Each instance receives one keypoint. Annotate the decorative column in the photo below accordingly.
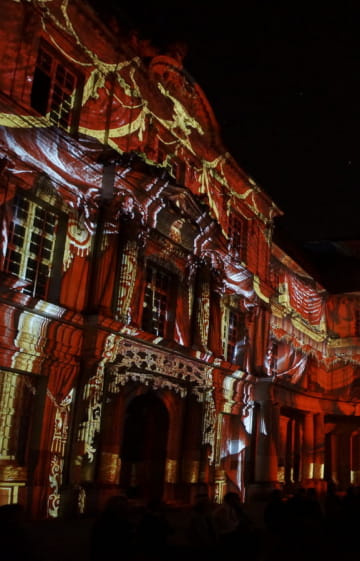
(219, 471)
(127, 278)
(266, 455)
(13, 389)
(344, 451)
(308, 448)
(259, 338)
(297, 450)
(83, 458)
(266, 447)
(192, 443)
(108, 458)
(214, 335)
(201, 313)
(333, 437)
(182, 334)
(173, 452)
(355, 459)
(319, 446)
(289, 457)
(283, 427)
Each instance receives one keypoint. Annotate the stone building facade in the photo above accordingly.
(154, 340)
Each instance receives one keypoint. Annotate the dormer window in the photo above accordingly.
(237, 234)
(55, 89)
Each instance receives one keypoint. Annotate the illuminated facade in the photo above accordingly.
(152, 336)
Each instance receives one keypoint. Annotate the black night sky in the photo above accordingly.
(284, 83)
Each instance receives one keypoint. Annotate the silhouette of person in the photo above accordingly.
(274, 512)
(153, 531)
(233, 527)
(112, 531)
(201, 529)
(15, 543)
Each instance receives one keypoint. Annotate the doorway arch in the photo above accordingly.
(144, 447)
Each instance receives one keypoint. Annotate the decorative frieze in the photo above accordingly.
(11, 472)
(148, 365)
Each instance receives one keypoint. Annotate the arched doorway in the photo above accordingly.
(144, 447)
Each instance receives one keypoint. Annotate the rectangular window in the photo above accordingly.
(237, 234)
(31, 244)
(17, 395)
(158, 299)
(54, 89)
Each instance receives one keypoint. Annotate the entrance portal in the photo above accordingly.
(144, 447)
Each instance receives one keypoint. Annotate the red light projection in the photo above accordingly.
(138, 274)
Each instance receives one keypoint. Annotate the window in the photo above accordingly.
(235, 336)
(54, 89)
(158, 301)
(35, 232)
(17, 395)
(237, 236)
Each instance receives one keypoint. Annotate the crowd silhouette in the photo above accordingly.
(300, 526)
(305, 527)
(15, 540)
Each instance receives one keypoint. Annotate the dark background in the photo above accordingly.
(284, 83)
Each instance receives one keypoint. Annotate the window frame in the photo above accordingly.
(41, 74)
(36, 201)
(237, 237)
(170, 309)
(240, 331)
(19, 392)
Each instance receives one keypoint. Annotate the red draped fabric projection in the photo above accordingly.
(305, 299)
(73, 284)
(290, 363)
(335, 380)
(341, 314)
(55, 422)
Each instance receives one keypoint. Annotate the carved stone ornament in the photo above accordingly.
(158, 368)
